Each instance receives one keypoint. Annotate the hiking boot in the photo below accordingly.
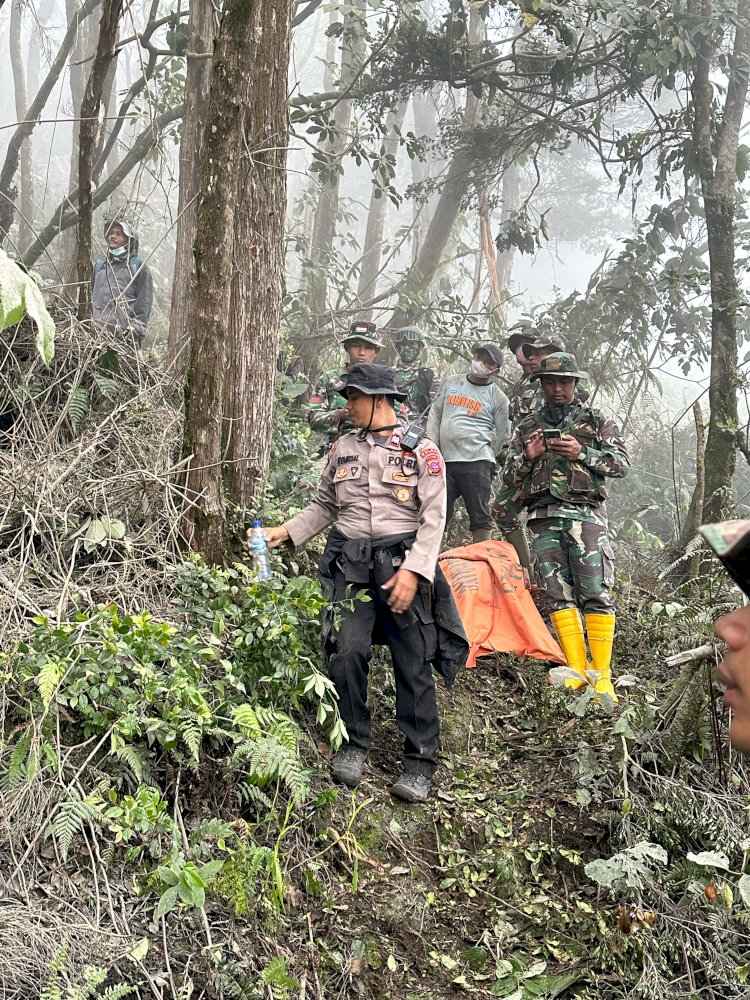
(348, 764)
(412, 787)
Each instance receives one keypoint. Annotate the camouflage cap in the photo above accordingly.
(550, 342)
(560, 363)
(730, 540)
(362, 330)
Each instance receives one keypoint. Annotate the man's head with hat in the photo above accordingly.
(516, 342)
(408, 343)
(559, 375)
(361, 342)
(486, 363)
(370, 391)
(730, 540)
(534, 352)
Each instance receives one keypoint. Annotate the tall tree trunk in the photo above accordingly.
(34, 60)
(90, 107)
(504, 260)
(448, 205)
(258, 286)
(372, 250)
(18, 66)
(324, 228)
(247, 26)
(718, 185)
(425, 126)
(66, 249)
(200, 43)
(25, 128)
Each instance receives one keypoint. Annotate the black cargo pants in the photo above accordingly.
(412, 640)
(473, 482)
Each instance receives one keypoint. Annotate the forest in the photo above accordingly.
(262, 175)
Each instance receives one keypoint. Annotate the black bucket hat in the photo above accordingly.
(730, 540)
(516, 339)
(494, 351)
(372, 380)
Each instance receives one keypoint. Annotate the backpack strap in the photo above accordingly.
(135, 264)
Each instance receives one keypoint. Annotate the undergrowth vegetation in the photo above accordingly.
(169, 828)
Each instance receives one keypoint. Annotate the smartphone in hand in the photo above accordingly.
(551, 434)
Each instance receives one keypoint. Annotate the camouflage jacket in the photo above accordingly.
(524, 399)
(551, 479)
(419, 384)
(325, 402)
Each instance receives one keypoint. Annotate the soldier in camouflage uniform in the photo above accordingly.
(326, 407)
(528, 395)
(558, 464)
(525, 398)
(417, 381)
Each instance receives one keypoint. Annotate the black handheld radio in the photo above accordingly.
(414, 431)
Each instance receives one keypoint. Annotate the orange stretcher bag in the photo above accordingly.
(498, 612)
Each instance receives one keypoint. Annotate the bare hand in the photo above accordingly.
(567, 446)
(534, 446)
(403, 587)
(274, 536)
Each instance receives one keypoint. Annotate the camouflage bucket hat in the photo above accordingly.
(560, 363)
(551, 342)
(362, 330)
(730, 540)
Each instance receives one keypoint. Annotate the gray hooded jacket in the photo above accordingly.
(123, 294)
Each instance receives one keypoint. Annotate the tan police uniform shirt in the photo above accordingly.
(371, 488)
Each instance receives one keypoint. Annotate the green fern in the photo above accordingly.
(72, 815)
(48, 680)
(78, 405)
(108, 387)
(20, 759)
(267, 759)
(136, 758)
(277, 977)
(191, 731)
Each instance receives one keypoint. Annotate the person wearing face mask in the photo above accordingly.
(416, 380)
(559, 461)
(122, 286)
(730, 540)
(469, 423)
(325, 412)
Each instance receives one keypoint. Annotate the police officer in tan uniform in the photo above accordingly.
(388, 506)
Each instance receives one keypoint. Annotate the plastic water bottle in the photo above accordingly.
(260, 553)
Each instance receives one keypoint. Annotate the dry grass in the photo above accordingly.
(80, 441)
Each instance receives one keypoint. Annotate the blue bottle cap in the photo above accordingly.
(257, 524)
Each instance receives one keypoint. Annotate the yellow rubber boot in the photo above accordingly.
(601, 634)
(569, 630)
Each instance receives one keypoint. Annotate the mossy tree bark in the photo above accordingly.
(716, 142)
(239, 86)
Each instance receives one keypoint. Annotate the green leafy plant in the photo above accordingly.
(19, 295)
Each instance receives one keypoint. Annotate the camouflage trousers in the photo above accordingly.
(574, 564)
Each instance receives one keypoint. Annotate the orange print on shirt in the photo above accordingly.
(472, 405)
